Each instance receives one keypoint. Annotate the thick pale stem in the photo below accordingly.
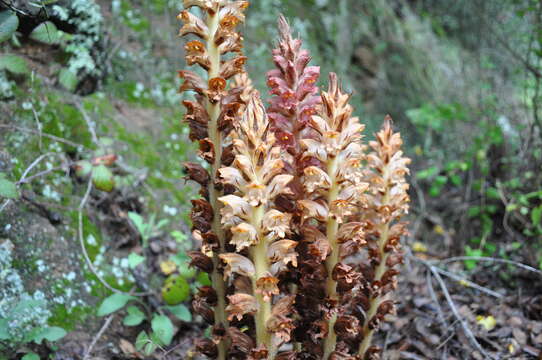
(332, 228)
(375, 301)
(216, 138)
(258, 254)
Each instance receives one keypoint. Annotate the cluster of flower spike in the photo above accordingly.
(299, 226)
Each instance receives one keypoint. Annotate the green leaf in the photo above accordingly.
(182, 261)
(141, 340)
(134, 317)
(113, 303)
(163, 328)
(31, 356)
(52, 333)
(181, 312)
(139, 223)
(179, 236)
(9, 22)
(471, 264)
(145, 344)
(68, 79)
(493, 193)
(14, 64)
(175, 290)
(83, 168)
(427, 173)
(134, 260)
(473, 211)
(203, 279)
(8, 189)
(102, 178)
(536, 215)
(46, 33)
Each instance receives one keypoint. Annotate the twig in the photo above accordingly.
(435, 300)
(98, 336)
(23, 179)
(40, 126)
(84, 249)
(468, 282)
(52, 137)
(33, 164)
(490, 259)
(89, 121)
(40, 174)
(13, 8)
(464, 325)
(467, 331)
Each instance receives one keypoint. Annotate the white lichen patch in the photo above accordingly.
(22, 311)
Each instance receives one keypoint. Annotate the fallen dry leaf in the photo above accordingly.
(488, 322)
(168, 267)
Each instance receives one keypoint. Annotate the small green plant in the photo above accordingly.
(147, 229)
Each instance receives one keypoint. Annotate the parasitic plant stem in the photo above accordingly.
(258, 254)
(332, 228)
(213, 109)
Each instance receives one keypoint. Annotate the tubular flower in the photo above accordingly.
(257, 227)
(388, 199)
(209, 118)
(332, 197)
(294, 92)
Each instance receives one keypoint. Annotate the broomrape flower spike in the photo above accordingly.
(217, 50)
(388, 202)
(257, 228)
(334, 192)
(291, 202)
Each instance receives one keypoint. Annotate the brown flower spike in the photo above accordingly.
(208, 118)
(334, 189)
(388, 201)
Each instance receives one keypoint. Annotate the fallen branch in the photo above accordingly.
(84, 249)
(490, 259)
(466, 329)
(98, 336)
(468, 283)
(49, 136)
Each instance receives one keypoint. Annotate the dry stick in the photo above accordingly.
(49, 136)
(84, 249)
(435, 300)
(88, 120)
(490, 259)
(23, 179)
(464, 325)
(469, 283)
(98, 336)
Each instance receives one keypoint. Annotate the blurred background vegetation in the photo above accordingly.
(83, 79)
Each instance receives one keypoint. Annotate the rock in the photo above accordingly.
(47, 259)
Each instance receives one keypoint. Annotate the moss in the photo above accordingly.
(68, 319)
(91, 234)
